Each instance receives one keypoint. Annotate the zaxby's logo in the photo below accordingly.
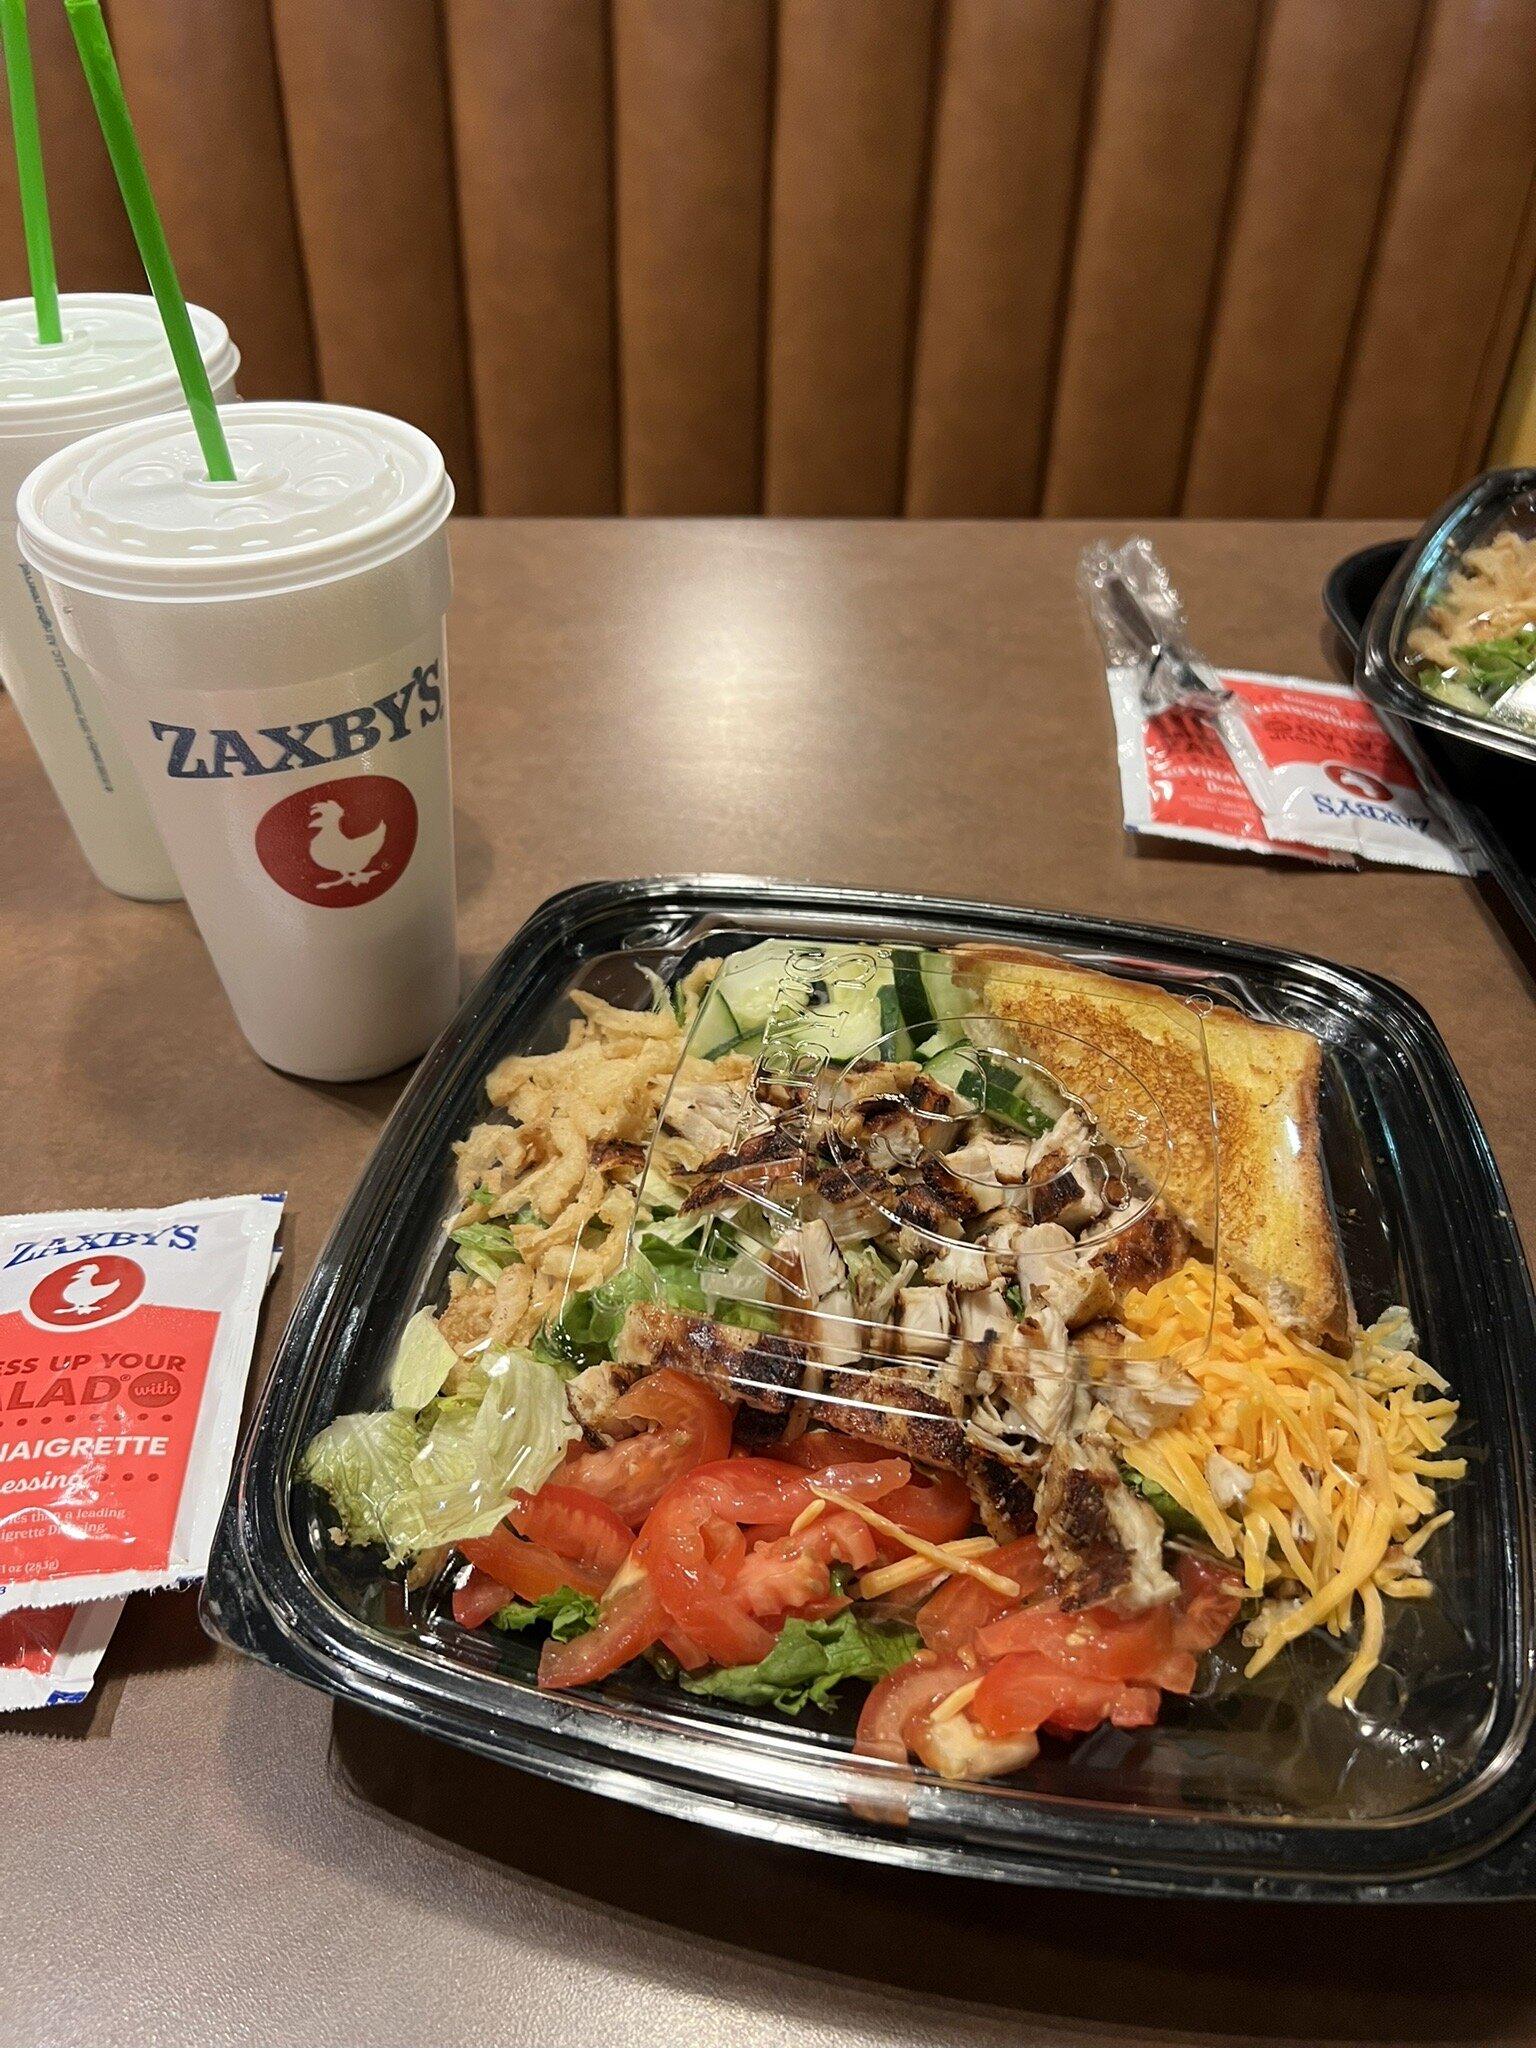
(193, 755)
(1357, 782)
(98, 1289)
(339, 843)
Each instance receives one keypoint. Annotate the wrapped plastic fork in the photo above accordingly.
(1141, 626)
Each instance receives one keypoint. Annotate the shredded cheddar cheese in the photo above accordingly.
(956, 1702)
(907, 1571)
(808, 1515)
(946, 1556)
(1309, 1471)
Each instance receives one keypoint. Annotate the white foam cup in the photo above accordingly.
(272, 651)
(113, 364)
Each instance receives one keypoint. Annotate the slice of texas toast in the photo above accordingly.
(1137, 1058)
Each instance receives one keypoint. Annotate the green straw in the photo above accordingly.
(101, 75)
(29, 169)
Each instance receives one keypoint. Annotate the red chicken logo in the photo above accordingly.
(1357, 782)
(329, 847)
(339, 843)
(93, 1290)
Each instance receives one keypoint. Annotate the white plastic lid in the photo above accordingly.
(114, 357)
(323, 492)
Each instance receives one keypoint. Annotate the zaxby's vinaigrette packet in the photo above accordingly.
(1330, 775)
(48, 1655)
(125, 1340)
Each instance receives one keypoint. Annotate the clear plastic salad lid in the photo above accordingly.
(881, 1153)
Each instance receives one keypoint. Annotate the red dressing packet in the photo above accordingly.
(1177, 780)
(1331, 775)
(49, 1655)
(125, 1341)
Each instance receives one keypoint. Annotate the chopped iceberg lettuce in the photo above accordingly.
(410, 1482)
(565, 1613)
(809, 1661)
(423, 1360)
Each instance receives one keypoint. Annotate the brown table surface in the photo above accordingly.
(206, 1852)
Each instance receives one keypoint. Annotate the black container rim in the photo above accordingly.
(1377, 673)
(257, 1599)
(1348, 621)
(1436, 756)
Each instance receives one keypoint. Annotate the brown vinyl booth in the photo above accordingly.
(858, 257)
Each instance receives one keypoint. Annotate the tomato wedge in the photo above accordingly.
(528, 1569)
(934, 1505)
(479, 1598)
(794, 1571)
(1023, 1692)
(1097, 1644)
(691, 1426)
(574, 1525)
(900, 1698)
(692, 1562)
(949, 1619)
(630, 1619)
(1210, 1596)
(816, 1448)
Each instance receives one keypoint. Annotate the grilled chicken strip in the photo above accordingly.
(991, 1167)
(922, 1322)
(1146, 1251)
(1068, 1195)
(1103, 1542)
(984, 1316)
(964, 1267)
(705, 1113)
(853, 1199)
(818, 1311)
(1069, 1139)
(768, 1161)
(591, 1396)
(1051, 1270)
(894, 1124)
(918, 1209)
(953, 1195)
(1002, 1482)
(911, 1410)
(618, 1160)
(1144, 1393)
(761, 1371)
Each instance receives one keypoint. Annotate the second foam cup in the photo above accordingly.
(272, 651)
(112, 365)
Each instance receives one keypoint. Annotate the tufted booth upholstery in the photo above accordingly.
(864, 257)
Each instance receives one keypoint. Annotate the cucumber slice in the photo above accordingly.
(896, 1035)
(755, 986)
(946, 998)
(1005, 1099)
(841, 1033)
(984, 1080)
(857, 1008)
(718, 1027)
(951, 1061)
(926, 990)
(911, 992)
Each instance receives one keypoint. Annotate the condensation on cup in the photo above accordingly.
(273, 653)
(113, 364)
